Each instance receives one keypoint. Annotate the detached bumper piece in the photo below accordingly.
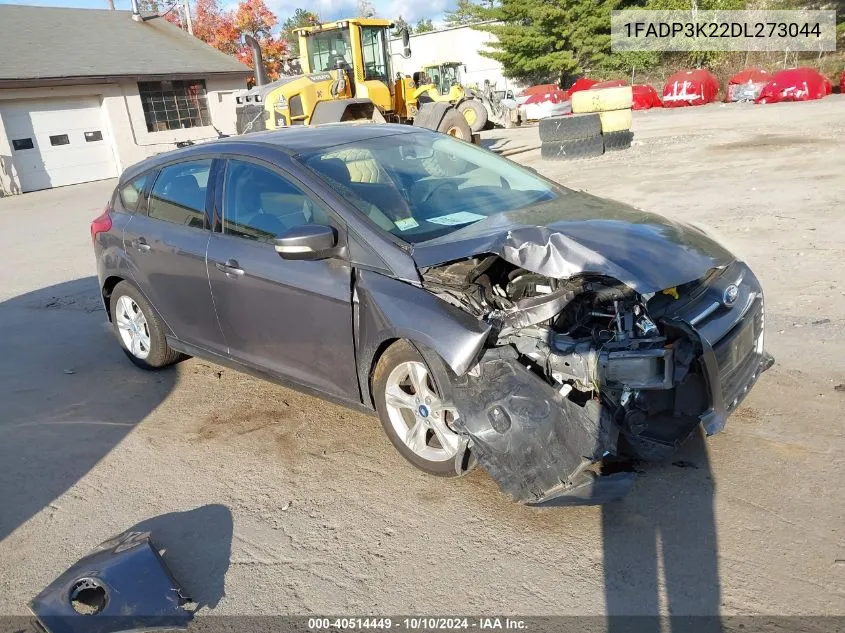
(536, 444)
(123, 585)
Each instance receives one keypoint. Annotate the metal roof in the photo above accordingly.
(291, 141)
(57, 43)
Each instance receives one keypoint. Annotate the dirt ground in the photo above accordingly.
(268, 501)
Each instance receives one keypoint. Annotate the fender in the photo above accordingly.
(385, 309)
(338, 110)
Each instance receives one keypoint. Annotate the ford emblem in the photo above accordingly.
(730, 295)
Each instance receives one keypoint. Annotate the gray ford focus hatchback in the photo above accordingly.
(487, 315)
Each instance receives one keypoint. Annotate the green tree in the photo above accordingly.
(399, 24)
(548, 38)
(300, 18)
(366, 9)
(465, 12)
(423, 26)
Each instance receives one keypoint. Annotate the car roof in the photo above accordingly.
(291, 140)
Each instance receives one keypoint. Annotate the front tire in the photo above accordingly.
(474, 113)
(139, 330)
(415, 415)
(454, 124)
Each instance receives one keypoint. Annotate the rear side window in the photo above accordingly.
(178, 195)
(131, 192)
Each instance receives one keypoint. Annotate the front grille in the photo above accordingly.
(737, 357)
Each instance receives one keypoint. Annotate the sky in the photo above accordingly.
(410, 10)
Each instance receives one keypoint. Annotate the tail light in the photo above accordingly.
(101, 224)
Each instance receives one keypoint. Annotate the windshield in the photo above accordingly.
(450, 76)
(329, 50)
(422, 186)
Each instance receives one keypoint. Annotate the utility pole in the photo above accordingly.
(188, 17)
(111, 4)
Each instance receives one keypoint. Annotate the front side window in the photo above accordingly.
(178, 195)
(174, 105)
(328, 50)
(429, 185)
(131, 192)
(259, 204)
(373, 48)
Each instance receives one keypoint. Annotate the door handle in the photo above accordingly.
(141, 245)
(231, 268)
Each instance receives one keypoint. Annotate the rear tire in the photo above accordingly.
(454, 124)
(603, 99)
(569, 127)
(139, 329)
(615, 141)
(399, 416)
(616, 120)
(474, 113)
(572, 150)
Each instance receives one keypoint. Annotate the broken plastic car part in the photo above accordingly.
(122, 585)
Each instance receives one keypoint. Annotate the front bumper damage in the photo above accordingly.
(536, 444)
(122, 585)
(545, 447)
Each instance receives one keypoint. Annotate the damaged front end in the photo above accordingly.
(578, 369)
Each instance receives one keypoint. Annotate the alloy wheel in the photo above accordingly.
(133, 327)
(418, 414)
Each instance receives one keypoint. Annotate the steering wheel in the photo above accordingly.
(431, 187)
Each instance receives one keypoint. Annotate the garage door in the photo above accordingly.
(58, 142)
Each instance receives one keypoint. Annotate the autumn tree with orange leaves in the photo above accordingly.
(224, 30)
(252, 17)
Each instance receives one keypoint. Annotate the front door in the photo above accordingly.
(291, 318)
(166, 243)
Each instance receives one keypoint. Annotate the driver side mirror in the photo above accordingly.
(308, 241)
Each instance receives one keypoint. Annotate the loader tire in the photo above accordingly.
(475, 114)
(569, 127)
(615, 120)
(602, 100)
(572, 150)
(454, 124)
(615, 141)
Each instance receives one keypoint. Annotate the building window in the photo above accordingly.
(59, 139)
(173, 105)
(96, 135)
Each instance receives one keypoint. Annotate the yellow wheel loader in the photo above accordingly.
(443, 82)
(347, 76)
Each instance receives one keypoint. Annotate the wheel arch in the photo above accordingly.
(108, 287)
(387, 310)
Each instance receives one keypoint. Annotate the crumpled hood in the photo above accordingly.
(579, 233)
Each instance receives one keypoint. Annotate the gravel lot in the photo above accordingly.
(269, 501)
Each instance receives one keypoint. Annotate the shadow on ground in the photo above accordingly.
(660, 548)
(68, 395)
(197, 546)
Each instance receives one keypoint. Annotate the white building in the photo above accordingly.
(461, 43)
(85, 93)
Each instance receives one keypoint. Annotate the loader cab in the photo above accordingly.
(444, 75)
(359, 47)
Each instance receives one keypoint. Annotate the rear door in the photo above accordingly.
(166, 243)
(291, 318)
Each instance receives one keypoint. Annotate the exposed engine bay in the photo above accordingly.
(622, 363)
